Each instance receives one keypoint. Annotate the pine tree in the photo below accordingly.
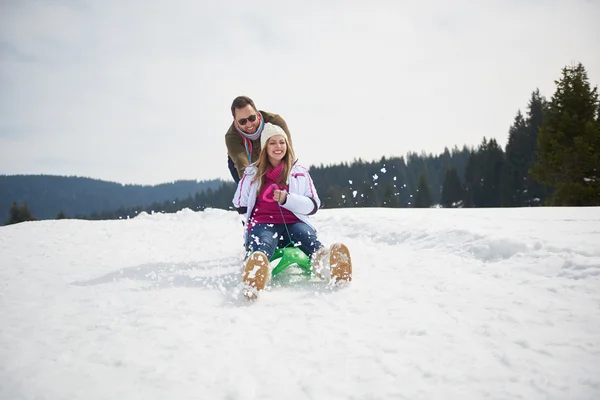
(516, 163)
(61, 215)
(492, 174)
(569, 142)
(483, 176)
(473, 177)
(518, 186)
(390, 197)
(332, 197)
(423, 197)
(25, 214)
(14, 214)
(368, 196)
(470, 176)
(536, 192)
(452, 191)
(19, 214)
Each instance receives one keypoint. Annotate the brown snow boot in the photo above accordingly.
(340, 263)
(320, 263)
(256, 274)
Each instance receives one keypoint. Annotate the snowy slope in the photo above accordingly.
(445, 304)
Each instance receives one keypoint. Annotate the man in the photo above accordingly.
(243, 137)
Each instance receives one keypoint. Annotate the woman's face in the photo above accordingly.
(276, 149)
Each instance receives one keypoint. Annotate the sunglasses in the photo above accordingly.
(243, 121)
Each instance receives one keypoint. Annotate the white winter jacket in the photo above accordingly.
(302, 198)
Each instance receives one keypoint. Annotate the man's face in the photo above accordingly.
(243, 118)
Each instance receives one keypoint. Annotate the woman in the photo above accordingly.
(279, 196)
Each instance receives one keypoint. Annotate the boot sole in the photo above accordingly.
(256, 275)
(340, 263)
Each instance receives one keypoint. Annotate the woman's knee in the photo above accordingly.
(302, 229)
(304, 235)
(262, 239)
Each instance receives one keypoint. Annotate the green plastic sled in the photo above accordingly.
(290, 256)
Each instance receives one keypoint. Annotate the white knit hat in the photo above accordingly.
(270, 130)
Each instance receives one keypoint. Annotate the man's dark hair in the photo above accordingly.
(241, 102)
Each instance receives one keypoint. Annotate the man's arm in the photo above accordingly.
(236, 150)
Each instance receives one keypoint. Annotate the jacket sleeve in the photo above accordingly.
(236, 150)
(306, 201)
(240, 198)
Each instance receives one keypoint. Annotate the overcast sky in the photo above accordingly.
(140, 91)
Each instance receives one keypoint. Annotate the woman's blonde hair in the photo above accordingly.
(263, 164)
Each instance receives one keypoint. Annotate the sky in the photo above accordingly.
(443, 304)
(140, 92)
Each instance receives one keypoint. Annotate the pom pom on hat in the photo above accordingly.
(269, 131)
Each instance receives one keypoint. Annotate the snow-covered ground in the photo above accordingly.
(445, 304)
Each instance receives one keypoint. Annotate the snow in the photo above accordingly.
(444, 303)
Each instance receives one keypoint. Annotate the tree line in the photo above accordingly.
(46, 196)
(552, 158)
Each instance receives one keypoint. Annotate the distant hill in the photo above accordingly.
(48, 195)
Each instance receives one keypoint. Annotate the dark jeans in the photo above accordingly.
(232, 170)
(268, 237)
